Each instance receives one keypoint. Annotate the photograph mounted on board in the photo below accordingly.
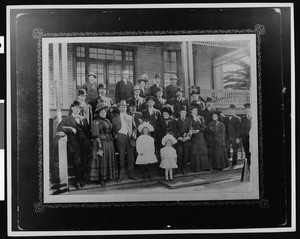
(157, 118)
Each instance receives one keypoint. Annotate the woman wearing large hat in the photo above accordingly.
(217, 149)
(103, 166)
(199, 151)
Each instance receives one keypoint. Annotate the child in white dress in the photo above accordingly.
(168, 155)
(145, 149)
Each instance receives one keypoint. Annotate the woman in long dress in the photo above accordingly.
(199, 151)
(103, 166)
(217, 150)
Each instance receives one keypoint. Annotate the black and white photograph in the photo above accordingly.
(162, 118)
(128, 119)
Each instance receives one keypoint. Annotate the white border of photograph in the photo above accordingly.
(136, 232)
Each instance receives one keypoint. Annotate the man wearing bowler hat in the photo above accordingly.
(136, 99)
(91, 87)
(183, 135)
(124, 130)
(123, 87)
(233, 133)
(153, 88)
(179, 101)
(77, 129)
(171, 89)
(206, 112)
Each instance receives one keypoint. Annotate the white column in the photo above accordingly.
(64, 57)
(185, 68)
(190, 63)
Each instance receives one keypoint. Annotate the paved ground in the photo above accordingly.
(227, 181)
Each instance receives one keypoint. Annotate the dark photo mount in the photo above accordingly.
(29, 212)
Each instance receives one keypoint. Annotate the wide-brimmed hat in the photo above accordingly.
(179, 89)
(195, 90)
(101, 86)
(101, 106)
(150, 97)
(92, 74)
(143, 77)
(157, 76)
(145, 125)
(122, 103)
(168, 137)
(216, 112)
(133, 103)
(76, 103)
(81, 92)
(159, 89)
(232, 106)
(174, 78)
(247, 105)
(136, 87)
(167, 108)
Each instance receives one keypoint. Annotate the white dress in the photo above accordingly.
(168, 156)
(145, 145)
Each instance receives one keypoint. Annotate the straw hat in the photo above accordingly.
(168, 137)
(145, 125)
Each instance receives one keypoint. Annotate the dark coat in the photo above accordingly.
(163, 128)
(183, 127)
(82, 136)
(206, 115)
(171, 92)
(116, 122)
(152, 119)
(232, 127)
(144, 93)
(177, 105)
(138, 117)
(217, 132)
(153, 89)
(245, 125)
(140, 102)
(158, 104)
(123, 92)
(196, 104)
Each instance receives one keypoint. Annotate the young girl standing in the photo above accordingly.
(168, 155)
(145, 149)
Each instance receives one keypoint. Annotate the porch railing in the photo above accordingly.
(226, 97)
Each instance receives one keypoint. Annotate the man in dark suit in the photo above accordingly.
(123, 87)
(245, 129)
(178, 102)
(136, 99)
(233, 133)
(206, 112)
(124, 131)
(101, 89)
(77, 129)
(171, 89)
(195, 101)
(183, 136)
(137, 116)
(156, 85)
(151, 114)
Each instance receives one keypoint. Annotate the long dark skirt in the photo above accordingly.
(103, 168)
(199, 153)
(218, 156)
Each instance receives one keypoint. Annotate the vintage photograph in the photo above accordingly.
(156, 118)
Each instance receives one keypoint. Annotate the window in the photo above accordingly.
(105, 54)
(128, 55)
(114, 73)
(130, 68)
(170, 66)
(80, 72)
(80, 51)
(98, 69)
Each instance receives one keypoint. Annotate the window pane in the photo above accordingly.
(100, 78)
(78, 79)
(167, 67)
(166, 56)
(118, 78)
(173, 67)
(118, 58)
(93, 55)
(111, 79)
(82, 79)
(109, 52)
(109, 57)
(101, 51)
(173, 56)
(93, 50)
(118, 69)
(82, 49)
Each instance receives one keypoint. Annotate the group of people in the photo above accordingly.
(148, 128)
